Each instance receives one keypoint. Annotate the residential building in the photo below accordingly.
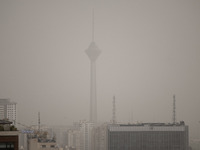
(8, 110)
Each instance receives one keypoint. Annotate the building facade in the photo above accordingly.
(149, 136)
(8, 110)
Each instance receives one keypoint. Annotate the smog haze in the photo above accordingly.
(150, 50)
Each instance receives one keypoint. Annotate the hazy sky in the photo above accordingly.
(150, 51)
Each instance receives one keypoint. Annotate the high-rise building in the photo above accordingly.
(148, 136)
(8, 110)
(86, 135)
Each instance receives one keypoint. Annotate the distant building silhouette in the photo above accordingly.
(99, 137)
(80, 137)
(74, 139)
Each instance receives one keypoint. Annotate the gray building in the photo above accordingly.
(148, 136)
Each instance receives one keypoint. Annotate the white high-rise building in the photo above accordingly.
(8, 110)
(74, 137)
(86, 135)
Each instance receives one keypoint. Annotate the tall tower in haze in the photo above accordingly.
(93, 52)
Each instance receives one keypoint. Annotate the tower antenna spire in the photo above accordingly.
(93, 24)
(39, 121)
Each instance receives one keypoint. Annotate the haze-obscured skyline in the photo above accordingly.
(150, 51)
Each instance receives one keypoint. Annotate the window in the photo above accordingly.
(43, 146)
(8, 146)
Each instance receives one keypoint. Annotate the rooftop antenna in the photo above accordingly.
(174, 109)
(114, 113)
(39, 121)
(132, 116)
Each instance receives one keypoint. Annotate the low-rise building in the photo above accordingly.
(9, 136)
(39, 140)
(34, 144)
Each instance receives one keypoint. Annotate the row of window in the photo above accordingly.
(8, 146)
(44, 146)
(147, 140)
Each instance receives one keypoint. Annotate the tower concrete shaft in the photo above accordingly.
(93, 52)
(93, 98)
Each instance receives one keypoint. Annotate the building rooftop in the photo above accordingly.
(6, 125)
(9, 133)
(6, 101)
(181, 123)
(3, 122)
(148, 127)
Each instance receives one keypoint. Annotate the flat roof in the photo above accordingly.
(9, 133)
(181, 123)
(148, 127)
(6, 101)
(5, 122)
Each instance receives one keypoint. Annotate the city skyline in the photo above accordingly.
(150, 52)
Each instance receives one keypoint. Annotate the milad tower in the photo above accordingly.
(93, 52)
